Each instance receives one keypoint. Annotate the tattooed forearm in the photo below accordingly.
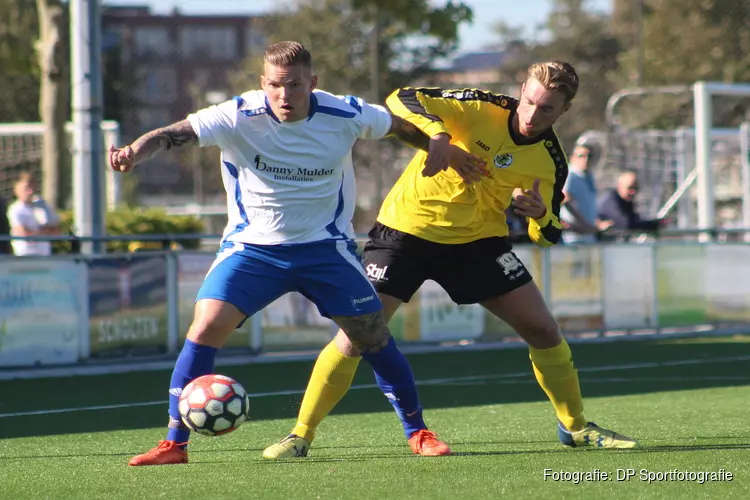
(172, 136)
(409, 133)
(367, 332)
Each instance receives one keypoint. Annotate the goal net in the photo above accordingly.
(21, 147)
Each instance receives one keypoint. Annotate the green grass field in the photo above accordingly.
(686, 401)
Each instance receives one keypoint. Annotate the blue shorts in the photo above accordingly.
(329, 273)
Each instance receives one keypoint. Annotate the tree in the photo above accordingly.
(19, 76)
(574, 33)
(53, 101)
(681, 43)
(366, 48)
(411, 35)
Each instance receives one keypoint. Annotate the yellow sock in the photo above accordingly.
(331, 378)
(558, 378)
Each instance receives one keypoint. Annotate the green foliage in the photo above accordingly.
(671, 43)
(19, 77)
(684, 42)
(412, 34)
(581, 36)
(131, 221)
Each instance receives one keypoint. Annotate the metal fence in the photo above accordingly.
(72, 309)
(159, 66)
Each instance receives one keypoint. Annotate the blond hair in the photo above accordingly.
(288, 54)
(557, 76)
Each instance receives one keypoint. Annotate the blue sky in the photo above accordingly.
(526, 13)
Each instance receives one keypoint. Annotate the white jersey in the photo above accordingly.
(31, 216)
(289, 182)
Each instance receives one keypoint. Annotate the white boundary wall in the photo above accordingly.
(70, 311)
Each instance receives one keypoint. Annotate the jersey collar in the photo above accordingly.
(310, 113)
(313, 106)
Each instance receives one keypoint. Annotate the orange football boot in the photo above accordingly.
(166, 452)
(426, 443)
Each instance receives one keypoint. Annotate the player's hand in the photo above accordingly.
(530, 203)
(470, 167)
(603, 225)
(121, 159)
(438, 155)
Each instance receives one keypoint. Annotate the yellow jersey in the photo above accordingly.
(443, 208)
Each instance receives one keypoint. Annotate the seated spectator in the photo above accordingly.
(29, 215)
(617, 205)
(579, 213)
(518, 226)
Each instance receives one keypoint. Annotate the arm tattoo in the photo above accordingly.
(367, 332)
(409, 133)
(172, 136)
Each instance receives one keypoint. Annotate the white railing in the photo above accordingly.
(66, 310)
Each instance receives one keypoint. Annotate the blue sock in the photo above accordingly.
(394, 377)
(194, 360)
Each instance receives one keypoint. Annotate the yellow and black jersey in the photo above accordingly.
(443, 208)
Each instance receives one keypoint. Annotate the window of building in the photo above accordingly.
(152, 40)
(213, 42)
(156, 84)
(152, 117)
(255, 42)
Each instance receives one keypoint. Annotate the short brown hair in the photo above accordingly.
(24, 177)
(557, 76)
(288, 54)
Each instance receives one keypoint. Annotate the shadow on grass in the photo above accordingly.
(254, 454)
(607, 369)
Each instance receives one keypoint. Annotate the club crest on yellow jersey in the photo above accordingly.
(503, 160)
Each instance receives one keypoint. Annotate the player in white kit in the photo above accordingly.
(286, 163)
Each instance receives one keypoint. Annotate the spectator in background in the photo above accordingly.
(29, 215)
(579, 211)
(617, 205)
(518, 226)
(5, 247)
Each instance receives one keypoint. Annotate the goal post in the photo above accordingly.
(745, 173)
(21, 146)
(703, 109)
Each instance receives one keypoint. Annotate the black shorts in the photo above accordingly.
(397, 264)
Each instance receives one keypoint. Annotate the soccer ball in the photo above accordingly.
(213, 405)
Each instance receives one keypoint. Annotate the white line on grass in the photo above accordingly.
(449, 380)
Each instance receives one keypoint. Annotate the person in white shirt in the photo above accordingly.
(286, 162)
(29, 215)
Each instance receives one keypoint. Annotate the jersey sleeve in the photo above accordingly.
(374, 120)
(546, 231)
(432, 110)
(216, 124)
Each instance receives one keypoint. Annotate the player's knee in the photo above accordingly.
(368, 333)
(207, 332)
(542, 334)
(376, 340)
(372, 343)
(345, 346)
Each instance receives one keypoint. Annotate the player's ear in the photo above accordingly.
(313, 82)
(567, 106)
(262, 81)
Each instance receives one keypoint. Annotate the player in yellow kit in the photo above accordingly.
(448, 225)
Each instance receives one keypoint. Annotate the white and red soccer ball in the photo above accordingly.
(213, 405)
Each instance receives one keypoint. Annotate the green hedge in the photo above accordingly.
(134, 221)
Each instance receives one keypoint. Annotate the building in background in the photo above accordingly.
(473, 69)
(493, 70)
(162, 67)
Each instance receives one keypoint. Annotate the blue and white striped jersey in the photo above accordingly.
(289, 182)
